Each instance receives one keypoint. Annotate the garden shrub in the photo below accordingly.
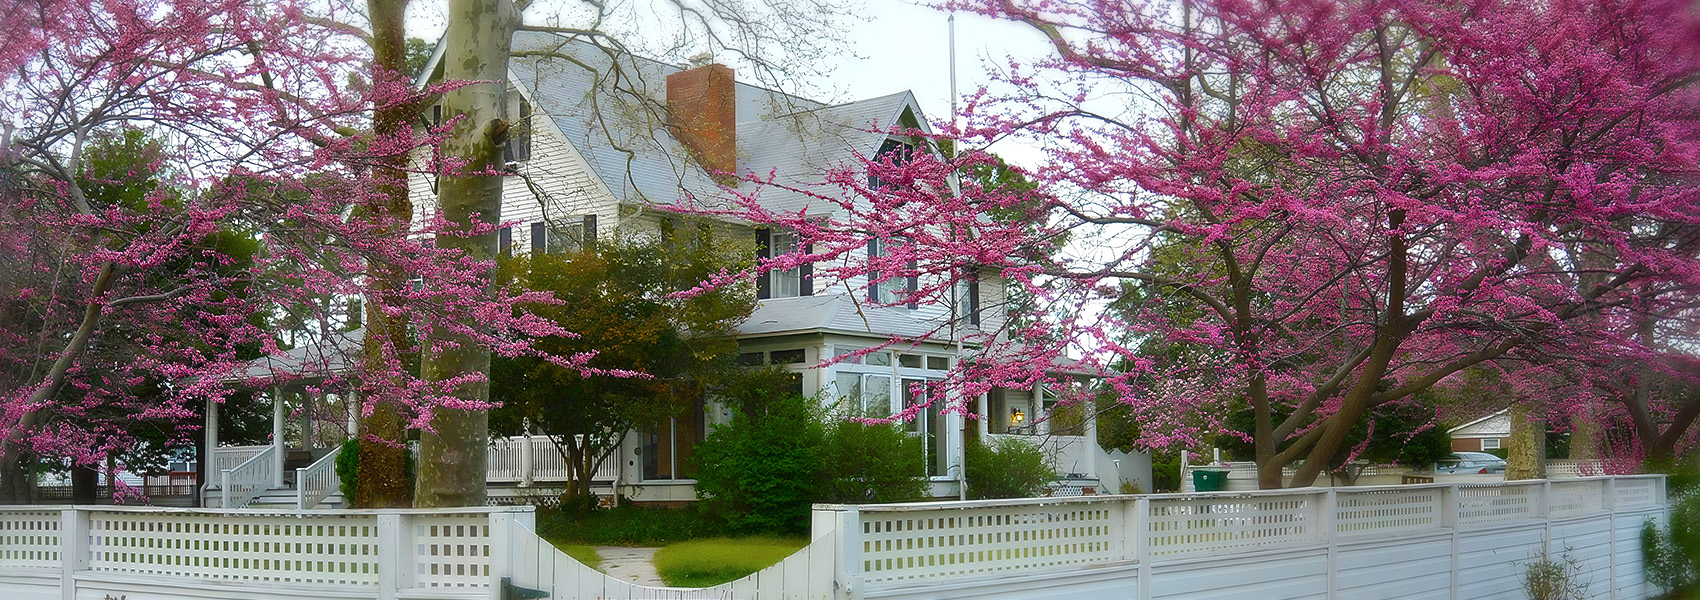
(1007, 468)
(862, 464)
(760, 473)
(348, 469)
(626, 525)
(1672, 555)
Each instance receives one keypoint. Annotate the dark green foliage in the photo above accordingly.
(1672, 556)
(760, 473)
(626, 525)
(1007, 468)
(1165, 471)
(863, 464)
(348, 468)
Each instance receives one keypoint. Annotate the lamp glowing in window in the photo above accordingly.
(1015, 415)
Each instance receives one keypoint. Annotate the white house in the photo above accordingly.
(598, 149)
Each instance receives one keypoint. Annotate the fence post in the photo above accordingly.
(849, 575)
(1545, 508)
(395, 557)
(1449, 519)
(500, 552)
(1609, 502)
(1329, 505)
(1139, 530)
(73, 549)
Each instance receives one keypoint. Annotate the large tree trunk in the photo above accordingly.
(1526, 452)
(382, 480)
(85, 484)
(480, 33)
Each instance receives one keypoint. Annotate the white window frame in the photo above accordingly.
(787, 283)
(1495, 442)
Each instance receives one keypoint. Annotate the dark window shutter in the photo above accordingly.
(539, 243)
(504, 240)
(914, 282)
(873, 288)
(974, 295)
(589, 231)
(764, 284)
(522, 140)
(806, 274)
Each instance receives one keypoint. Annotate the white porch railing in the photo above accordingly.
(230, 457)
(240, 485)
(531, 459)
(316, 482)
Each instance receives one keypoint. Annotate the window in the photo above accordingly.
(1490, 443)
(909, 361)
(556, 237)
(787, 283)
(519, 136)
(749, 359)
(893, 151)
(878, 359)
(669, 445)
(865, 394)
(786, 357)
(893, 290)
(938, 363)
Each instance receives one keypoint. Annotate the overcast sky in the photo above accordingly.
(898, 46)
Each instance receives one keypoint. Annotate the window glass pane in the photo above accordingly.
(850, 389)
(909, 361)
(938, 363)
(841, 351)
(881, 359)
(749, 359)
(876, 395)
(786, 357)
(786, 283)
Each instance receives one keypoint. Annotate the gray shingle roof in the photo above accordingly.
(837, 313)
(615, 123)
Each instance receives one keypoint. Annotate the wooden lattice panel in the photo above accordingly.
(1490, 504)
(1388, 511)
(452, 551)
(1576, 498)
(899, 546)
(1219, 524)
(306, 548)
(29, 539)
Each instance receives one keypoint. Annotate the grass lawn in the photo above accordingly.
(702, 563)
(582, 553)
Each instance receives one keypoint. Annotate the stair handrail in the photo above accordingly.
(240, 485)
(315, 482)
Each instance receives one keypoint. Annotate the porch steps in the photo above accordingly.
(280, 499)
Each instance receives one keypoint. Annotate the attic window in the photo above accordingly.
(893, 151)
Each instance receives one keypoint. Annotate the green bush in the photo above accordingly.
(760, 473)
(348, 469)
(863, 464)
(1008, 468)
(626, 526)
(702, 563)
(1165, 471)
(1672, 555)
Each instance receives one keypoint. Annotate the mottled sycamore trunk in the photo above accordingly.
(382, 480)
(480, 32)
(1585, 435)
(1526, 451)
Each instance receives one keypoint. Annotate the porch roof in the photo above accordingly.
(331, 355)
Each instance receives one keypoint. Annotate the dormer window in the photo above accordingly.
(893, 151)
(893, 290)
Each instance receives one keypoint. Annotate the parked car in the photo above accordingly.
(1470, 463)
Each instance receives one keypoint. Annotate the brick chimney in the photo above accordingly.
(703, 105)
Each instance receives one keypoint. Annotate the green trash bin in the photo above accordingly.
(1209, 480)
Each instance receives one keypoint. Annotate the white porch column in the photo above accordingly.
(1089, 454)
(211, 433)
(351, 401)
(985, 410)
(955, 425)
(307, 406)
(278, 447)
(1036, 412)
(526, 468)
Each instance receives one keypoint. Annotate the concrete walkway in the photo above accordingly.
(636, 565)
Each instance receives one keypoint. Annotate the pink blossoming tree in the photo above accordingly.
(264, 139)
(1308, 208)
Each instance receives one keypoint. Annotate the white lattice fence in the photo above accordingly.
(1487, 504)
(1227, 523)
(1636, 492)
(453, 551)
(29, 539)
(900, 545)
(315, 548)
(1387, 511)
(1575, 498)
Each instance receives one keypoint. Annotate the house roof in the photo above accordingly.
(1493, 424)
(330, 355)
(612, 117)
(838, 313)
